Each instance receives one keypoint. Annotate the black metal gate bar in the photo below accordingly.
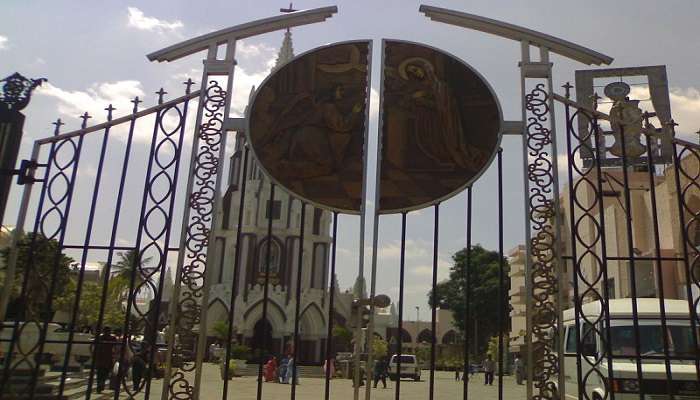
(61, 233)
(683, 207)
(605, 305)
(630, 253)
(297, 297)
(23, 357)
(331, 313)
(266, 291)
(501, 275)
(83, 260)
(651, 168)
(399, 334)
(467, 297)
(433, 316)
(155, 313)
(236, 271)
(576, 262)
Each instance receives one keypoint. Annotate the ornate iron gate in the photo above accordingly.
(564, 235)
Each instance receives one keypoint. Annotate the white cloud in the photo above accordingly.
(246, 50)
(685, 108)
(138, 20)
(3, 42)
(95, 99)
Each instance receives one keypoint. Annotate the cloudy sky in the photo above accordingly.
(93, 54)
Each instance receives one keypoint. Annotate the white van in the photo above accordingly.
(409, 367)
(625, 384)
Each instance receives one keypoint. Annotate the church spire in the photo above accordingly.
(286, 52)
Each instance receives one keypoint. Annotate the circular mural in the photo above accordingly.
(307, 125)
(441, 126)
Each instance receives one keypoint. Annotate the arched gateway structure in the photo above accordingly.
(281, 260)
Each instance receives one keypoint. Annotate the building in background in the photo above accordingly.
(277, 329)
(671, 271)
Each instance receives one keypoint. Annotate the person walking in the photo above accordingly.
(518, 369)
(292, 375)
(138, 367)
(489, 368)
(282, 375)
(380, 372)
(104, 357)
(456, 373)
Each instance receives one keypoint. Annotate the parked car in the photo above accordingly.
(55, 347)
(409, 367)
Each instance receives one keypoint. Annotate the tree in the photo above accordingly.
(483, 288)
(342, 338)
(47, 265)
(122, 271)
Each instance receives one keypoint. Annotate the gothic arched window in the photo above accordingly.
(275, 257)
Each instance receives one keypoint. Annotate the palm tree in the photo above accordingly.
(123, 269)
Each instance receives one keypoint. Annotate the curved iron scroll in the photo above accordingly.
(201, 204)
(541, 214)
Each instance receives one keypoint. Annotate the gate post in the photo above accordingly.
(16, 94)
(543, 260)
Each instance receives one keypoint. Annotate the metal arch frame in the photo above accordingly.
(539, 155)
(203, 210)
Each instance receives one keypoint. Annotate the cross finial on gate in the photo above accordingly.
(188, 84)
(671, 124)
(136, 102)
(85, 117)
(290, 9)
(109, 110)
(58, 125)
(160, 94)
(567, 89)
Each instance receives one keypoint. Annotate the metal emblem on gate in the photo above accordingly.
(441, 125)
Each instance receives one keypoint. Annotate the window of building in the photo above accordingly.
(274, 209)
(317, 221)
(275, 257)
(571, 339)
(221, 247)
(644, 278)
(611, 288)
(235, 170)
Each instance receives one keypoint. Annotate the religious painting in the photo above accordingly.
(441, 125)
(307, 125)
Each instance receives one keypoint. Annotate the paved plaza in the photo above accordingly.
(245, 388)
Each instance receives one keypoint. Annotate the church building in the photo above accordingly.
(277, 329)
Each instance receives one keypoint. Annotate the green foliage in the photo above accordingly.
(423, 354)
(48, 264)
(220, 329)
(240, 352)
(492, 349)
(483, 287)
(232, 367)
(342, 338)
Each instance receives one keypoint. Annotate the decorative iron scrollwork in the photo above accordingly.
(542, 211)
(17, 91)
(201, 203)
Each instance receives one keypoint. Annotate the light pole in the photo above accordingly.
(417, 324)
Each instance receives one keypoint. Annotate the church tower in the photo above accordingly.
(277, 328)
